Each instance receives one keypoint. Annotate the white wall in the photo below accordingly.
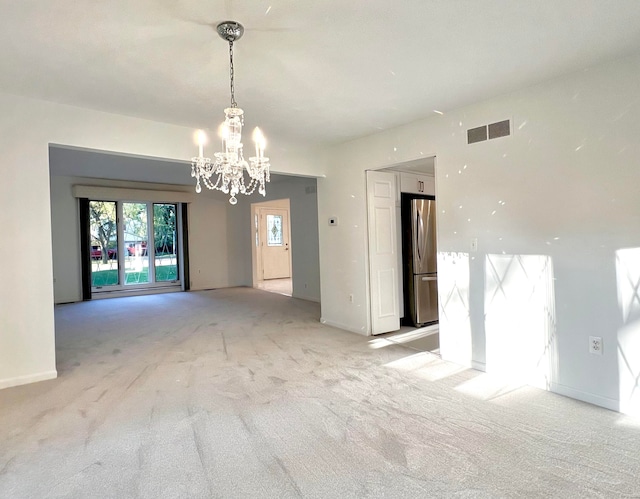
(551, 206)
(27, 351)
(27, 127)
(65, 241)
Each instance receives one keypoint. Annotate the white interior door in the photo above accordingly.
(382, 197)
(274, 241)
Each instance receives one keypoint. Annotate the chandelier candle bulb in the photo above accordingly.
(201, 140)
(258, 138)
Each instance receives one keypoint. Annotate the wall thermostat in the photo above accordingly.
(333, 220)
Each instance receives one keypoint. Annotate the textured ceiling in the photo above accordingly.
(323, 71)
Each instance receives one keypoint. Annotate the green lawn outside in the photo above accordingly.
(110, 277)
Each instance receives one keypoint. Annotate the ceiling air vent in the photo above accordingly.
(492, 131)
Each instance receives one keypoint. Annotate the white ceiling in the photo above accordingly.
(309, 71)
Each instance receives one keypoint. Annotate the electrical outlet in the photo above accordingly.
(595, 345)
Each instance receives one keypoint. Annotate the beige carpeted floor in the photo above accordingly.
(243, 393)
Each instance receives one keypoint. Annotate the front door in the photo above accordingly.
(274, 241)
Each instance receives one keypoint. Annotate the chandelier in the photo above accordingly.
(227, 170)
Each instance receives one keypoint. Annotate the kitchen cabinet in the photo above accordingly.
(417, 184)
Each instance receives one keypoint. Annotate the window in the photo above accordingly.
(274, 230)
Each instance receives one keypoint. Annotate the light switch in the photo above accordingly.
(474, 244)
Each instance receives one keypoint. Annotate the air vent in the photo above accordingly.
(310, 189)
(499, 129)
(492, 131)
(477, 134)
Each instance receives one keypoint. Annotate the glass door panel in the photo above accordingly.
(104, 244)
(274, 230)
(136, 237)
(165, 237)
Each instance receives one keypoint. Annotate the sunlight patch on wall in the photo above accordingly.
(453, 296)
(628, 283)
(520, 319)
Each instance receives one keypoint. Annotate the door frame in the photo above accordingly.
(396, 169)
(256, 250)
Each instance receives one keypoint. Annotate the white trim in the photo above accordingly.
(607, 403)
(343, 326)
(306, 298)
(29, 378)
(149, 290)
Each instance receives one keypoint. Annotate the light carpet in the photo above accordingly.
(243, 393)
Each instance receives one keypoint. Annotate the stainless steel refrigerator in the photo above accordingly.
(421, 272)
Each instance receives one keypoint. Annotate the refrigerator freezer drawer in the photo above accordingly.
(425, 288)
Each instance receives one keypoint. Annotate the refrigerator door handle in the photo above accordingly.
(429, 278)
(419, 240)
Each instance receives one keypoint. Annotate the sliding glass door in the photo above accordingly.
(133, 245)
(136, 242)
(104, 244)
(165, 238)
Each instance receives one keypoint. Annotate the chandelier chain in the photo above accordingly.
(231, 74)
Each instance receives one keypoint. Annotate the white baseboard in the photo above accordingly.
(314, 299)
(29, 378)
(566, 391)
(607, 403)
(343, 326)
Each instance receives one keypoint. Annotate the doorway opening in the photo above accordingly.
(271, 248)
(401, 310)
